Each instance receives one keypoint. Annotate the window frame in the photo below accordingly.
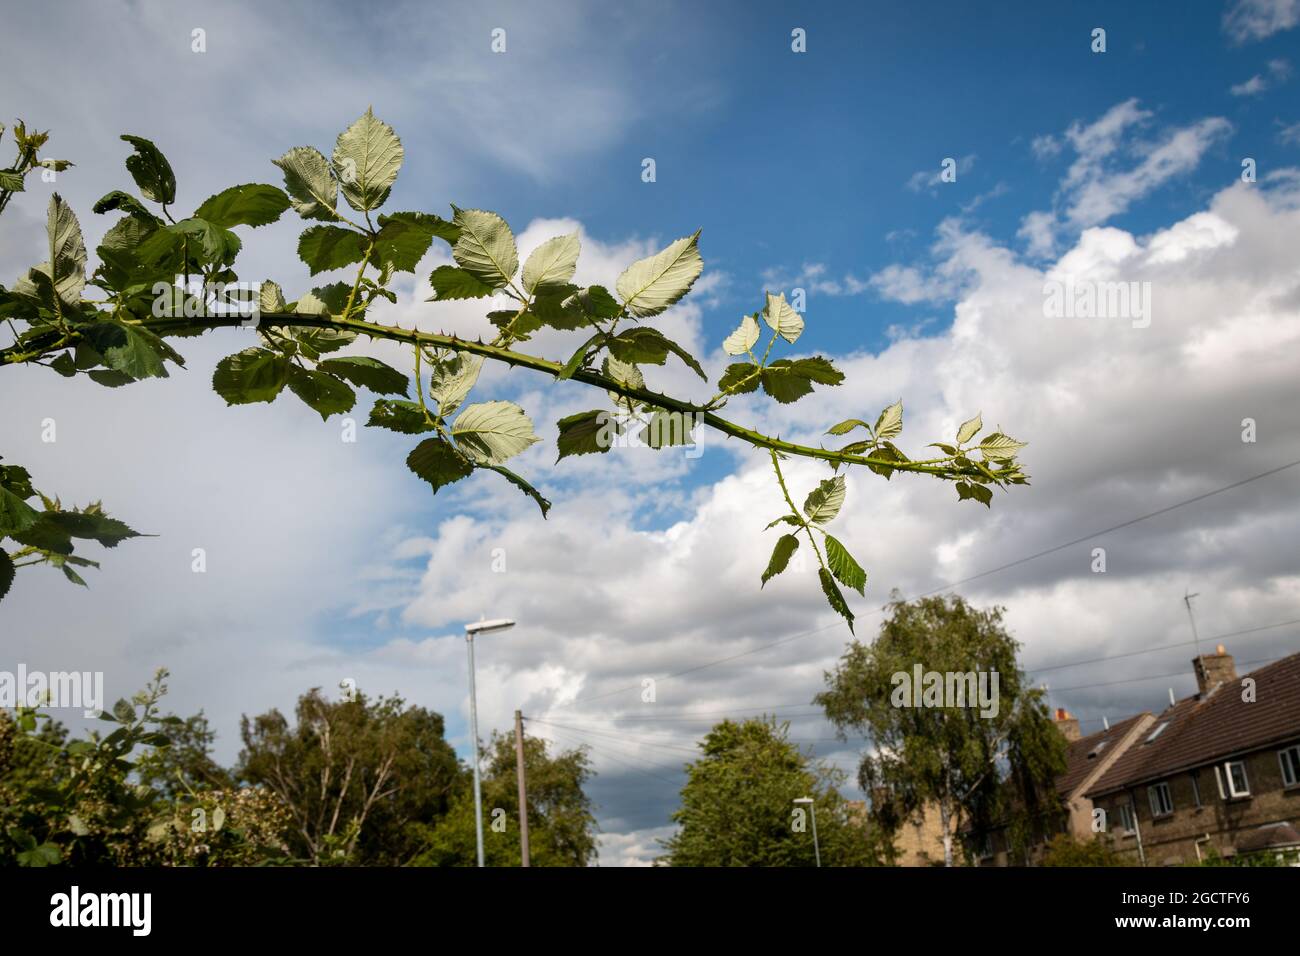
(1196, 789)
(1127, 816)
(1166, 802)
(1291, 769)
(1227, 786)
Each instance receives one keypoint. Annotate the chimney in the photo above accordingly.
(1213, 669)
(1069, 726)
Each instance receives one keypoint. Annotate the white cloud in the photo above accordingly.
(1105, 407)
(1248, 20)
(813, 277)
(1100, 185)
(1279, 71)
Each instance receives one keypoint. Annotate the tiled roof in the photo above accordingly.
(1078, 763)
(1202, 729)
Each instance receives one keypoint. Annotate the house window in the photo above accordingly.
(1196, 789)
(1126, 820)
(1232, 780)
(1290, 761)
(1162, 803)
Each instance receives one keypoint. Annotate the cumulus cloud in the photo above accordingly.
(1248, 20)
(610, 602)
(1112, 170)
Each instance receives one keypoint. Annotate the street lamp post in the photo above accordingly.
(812, 806)
(479, 627)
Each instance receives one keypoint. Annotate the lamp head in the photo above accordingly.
(487, 627)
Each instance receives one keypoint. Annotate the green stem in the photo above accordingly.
(163, 326)
(780, 479)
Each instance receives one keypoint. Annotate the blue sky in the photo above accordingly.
(807, 170)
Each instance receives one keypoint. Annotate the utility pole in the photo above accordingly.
(523, 788)
(1196, 638)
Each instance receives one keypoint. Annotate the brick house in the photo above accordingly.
(1087, 760)
(1217, 772)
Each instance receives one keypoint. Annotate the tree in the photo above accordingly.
(145, 297)
(561, 825)
(356, 776)
(981, 763)
(738, 805)
(185, 763)
(1064, 850)
(79, 802)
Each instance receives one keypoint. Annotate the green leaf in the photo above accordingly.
(782, 318)
(67, 251)
(782, 383)
(625, 374)
(124, 711)
(437, 462)
(565, 308)
(786, 545)
(835, 597)
(551, 264)
(270, 298)
(824, 502)
(742, 340)
(399, 416)
(367, 157)
(329, 247)
(7, 570)
(522, 485)
(890, 423)
(255, 204)
(125, 202)
(486, 247)
(70, 574)
(435, 226)
(1000, 447)
(587, 433)
(452, 380)
(739, 378)
(129, 349)
(320, 391)
(310, 182)
(380, 378)
(579, 358)
(315, 342)
(402, 243)
(597, 302)
(95, 526)
(151, 171)
(969, 429)
(493, 432)
(15, 514)
(846, 426)
(666, 429)
(651, 285)
(967, 489)
(253, 375)
(648, 346)
(786, 519)
(846, 570)
(11, 181)
(449, 282)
